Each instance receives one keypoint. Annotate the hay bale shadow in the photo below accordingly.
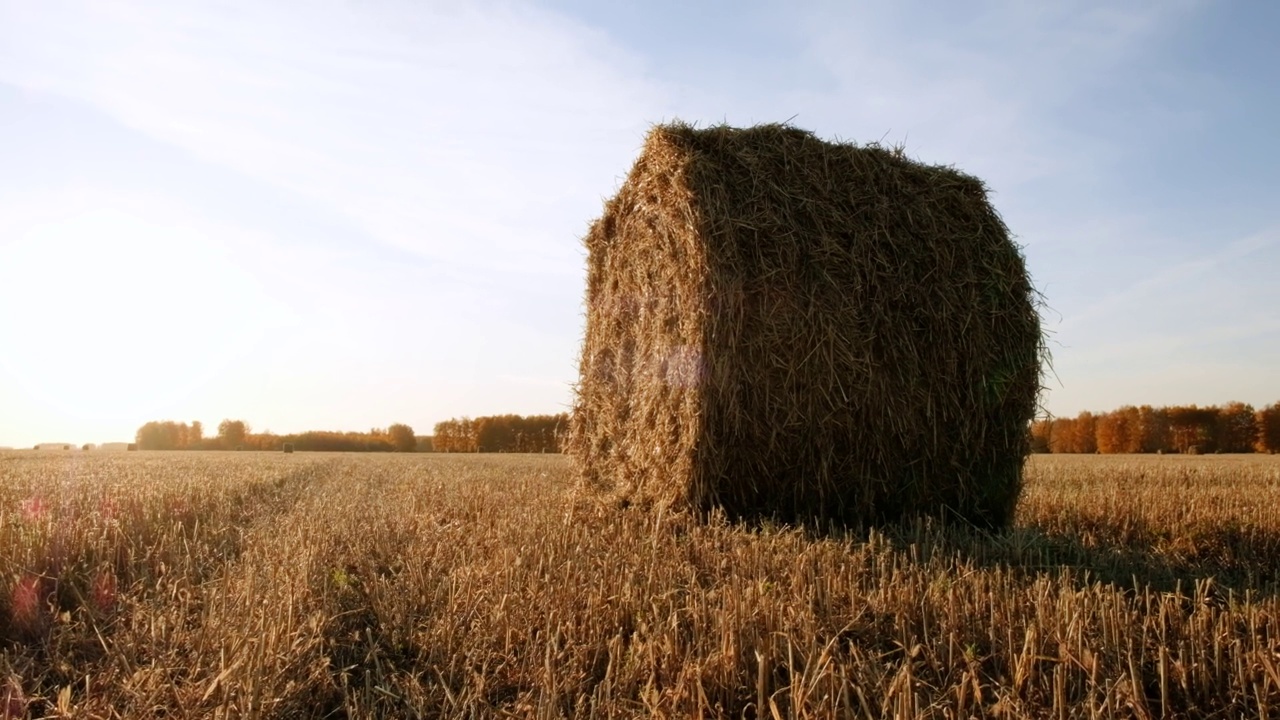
(1228, 558)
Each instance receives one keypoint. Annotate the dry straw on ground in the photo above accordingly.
(783, 326)
(430, 585)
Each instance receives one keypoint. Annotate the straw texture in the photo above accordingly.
(786, 327)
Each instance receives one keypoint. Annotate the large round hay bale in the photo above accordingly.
(782, 326)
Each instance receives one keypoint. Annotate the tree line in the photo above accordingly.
(237, 435)
(502, 433)
(1232, 428)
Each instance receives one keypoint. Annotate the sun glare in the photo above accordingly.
(109, 313)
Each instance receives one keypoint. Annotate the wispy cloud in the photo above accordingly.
(1213, 273)
(469, 134)
(994, 87)
(1199, 330)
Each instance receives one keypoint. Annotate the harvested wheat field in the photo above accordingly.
(313, 585)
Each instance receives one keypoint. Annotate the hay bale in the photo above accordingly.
(782, 326)
(288, 448)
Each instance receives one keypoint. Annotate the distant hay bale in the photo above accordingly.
(782, 326)
(288, 448)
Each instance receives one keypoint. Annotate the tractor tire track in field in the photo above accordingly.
(290, 621)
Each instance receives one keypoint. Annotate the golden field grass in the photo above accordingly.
(269, 585)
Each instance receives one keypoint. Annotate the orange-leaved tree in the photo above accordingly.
(1237, 428)
(402, 438)
(232, 433)
(1268, 422)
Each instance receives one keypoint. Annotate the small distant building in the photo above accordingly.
(116, 446)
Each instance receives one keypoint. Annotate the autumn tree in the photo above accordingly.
(442, 439)
(455, 435)
(1237, 428)
(1111, 432)
(1062, 435)
(1193, 428)
(163, 435)
(232, 433)
(1268, 424)
(326, 441)
(1153, 430)
(236, 434)
(154, 436)
(497, 433)
(502, 433)
(1119, 431)
(402, 438)
(1041, 431)
(1086, 433)
(1131, 421)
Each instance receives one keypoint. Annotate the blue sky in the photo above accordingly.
(339, 215)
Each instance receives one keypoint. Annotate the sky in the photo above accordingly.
(342, 215)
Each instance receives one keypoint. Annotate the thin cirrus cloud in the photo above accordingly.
(454, 134)
(1002, 89)
(1202, 330)
(1216, 274)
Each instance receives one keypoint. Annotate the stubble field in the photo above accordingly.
(265, 585)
